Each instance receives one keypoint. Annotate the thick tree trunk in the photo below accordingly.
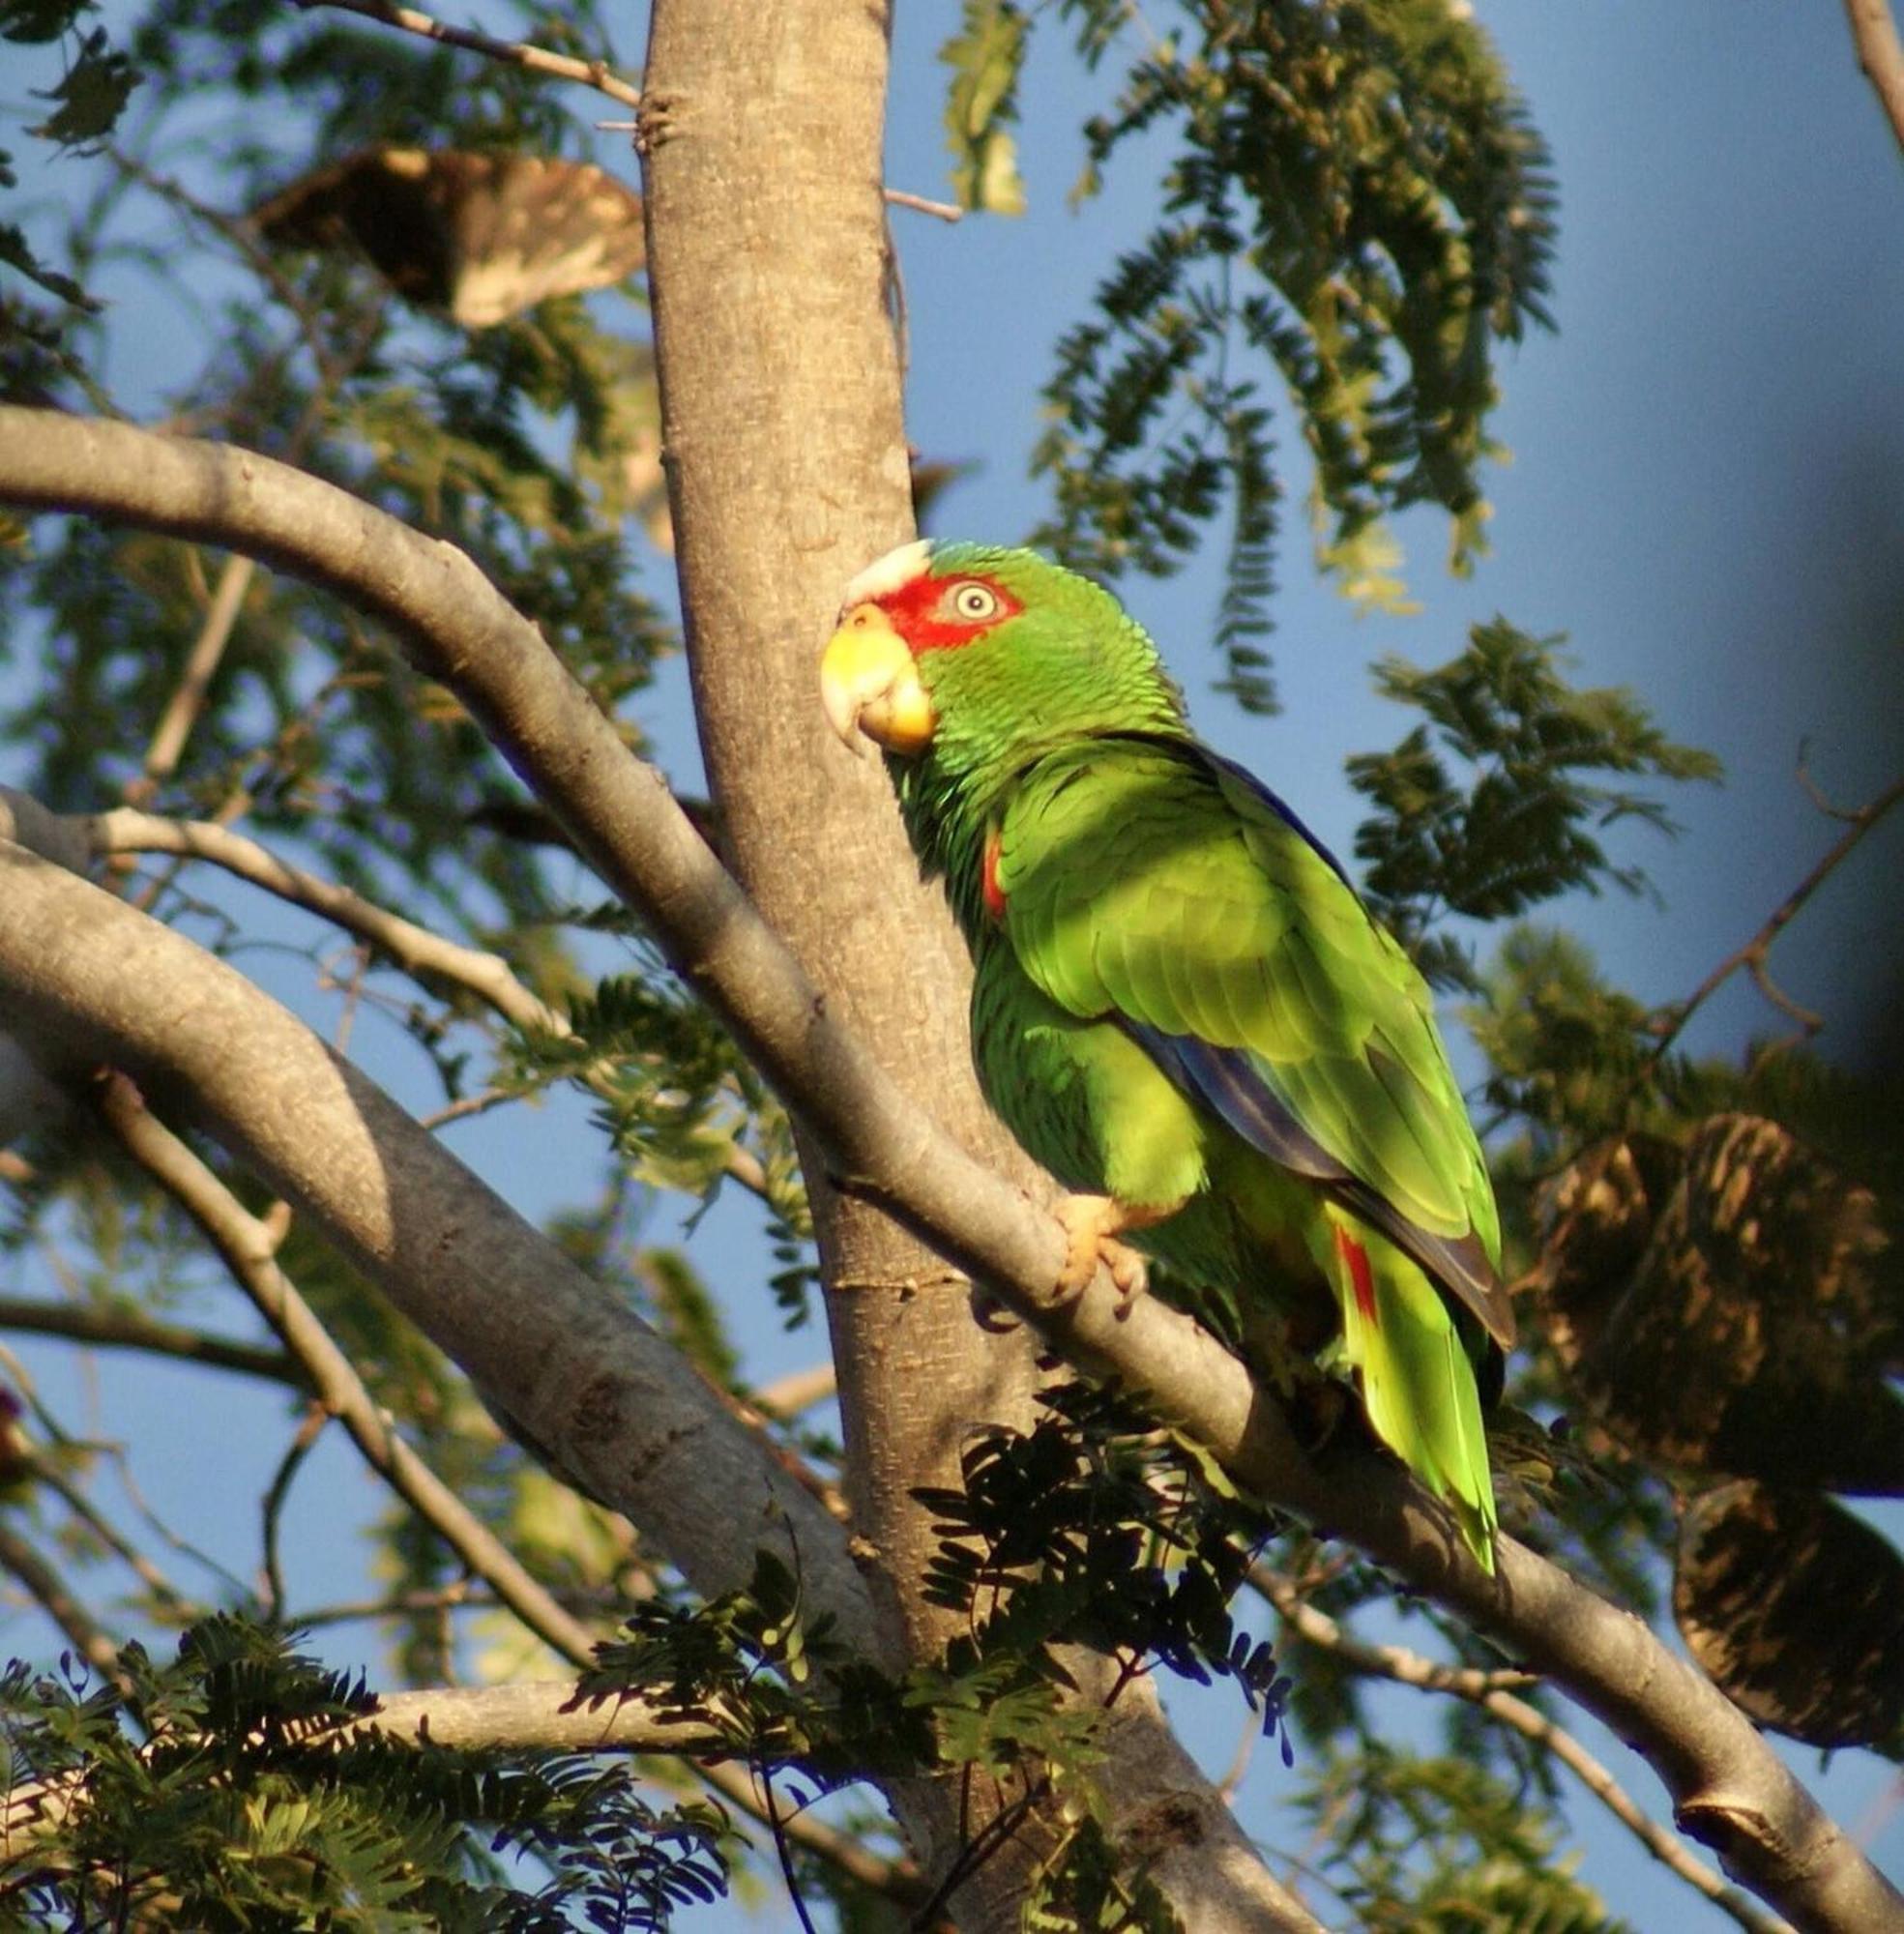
(786, 460)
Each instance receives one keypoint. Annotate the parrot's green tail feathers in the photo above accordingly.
(1418, 1384)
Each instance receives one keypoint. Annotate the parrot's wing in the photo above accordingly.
(1150, 881)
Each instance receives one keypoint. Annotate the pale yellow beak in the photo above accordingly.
(869, 682)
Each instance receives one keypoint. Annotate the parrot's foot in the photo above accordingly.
(1092, 1226)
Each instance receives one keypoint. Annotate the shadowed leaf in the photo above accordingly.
(1796, 1610)
(482, 236)
(1722, 1307)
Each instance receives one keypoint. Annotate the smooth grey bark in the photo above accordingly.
(1729, 1788)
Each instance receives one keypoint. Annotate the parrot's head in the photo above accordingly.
(981, 655)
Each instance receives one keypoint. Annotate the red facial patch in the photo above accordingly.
(989, 879)
(927, 612)
(1361, 1276)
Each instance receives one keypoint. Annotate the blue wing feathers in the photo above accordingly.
(1226, 1079)
(1236, 1085)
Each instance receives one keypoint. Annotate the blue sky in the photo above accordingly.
(1707, 494)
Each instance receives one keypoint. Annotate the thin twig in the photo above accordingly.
(1489, 1691)
(415, 949)
(777, 1827)
(1752, 956)
(1231, 1782)
(1881, 54)
(246, 1246)
(979, 1848)
(597, 75)
(468, 1107)
(103, 1328)
(188, 695)
(798, 1391)
(946, 211)
(304, 1439)
(1816, 793)
(511, 53)
(121, 1464)
(47, 1472)
(57, 1599)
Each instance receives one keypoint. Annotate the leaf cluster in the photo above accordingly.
(225, 1789)
(1358, 202)
(1495, 803)
(1096, 1529)
(1440, 1846)
(985, 57)
(1094, 1532)
(675, 1092)
(743, 1665)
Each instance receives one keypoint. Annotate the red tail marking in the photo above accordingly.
(988, 883)
(1361, 1276)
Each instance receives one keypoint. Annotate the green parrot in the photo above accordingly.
(1180, 1006)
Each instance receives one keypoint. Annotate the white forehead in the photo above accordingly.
(892, 572)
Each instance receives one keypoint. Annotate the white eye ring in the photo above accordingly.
(975, 603)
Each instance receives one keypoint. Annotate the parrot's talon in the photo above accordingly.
(1091, 1226)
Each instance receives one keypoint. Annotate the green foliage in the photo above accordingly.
(1093, 1531)
(675, 1094)
(741, 1664)
(1359, 203)
(1518, 826)
(1565, 1051)
(986, 57)
(1096, 1529)
(1433, 1844)
(225, 1790)
(91, 96)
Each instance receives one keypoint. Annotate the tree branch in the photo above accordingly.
(1489, 1691)
(782, 416)
(1752, 956)
(78, 963)
(798, 1391)
(100, 1327)
(246, 1245)
(1881, 54)
(416, 950)
(597, 75)
(500, 1718)
(37, 1578)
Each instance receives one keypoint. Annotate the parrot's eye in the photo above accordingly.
(974, 604)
